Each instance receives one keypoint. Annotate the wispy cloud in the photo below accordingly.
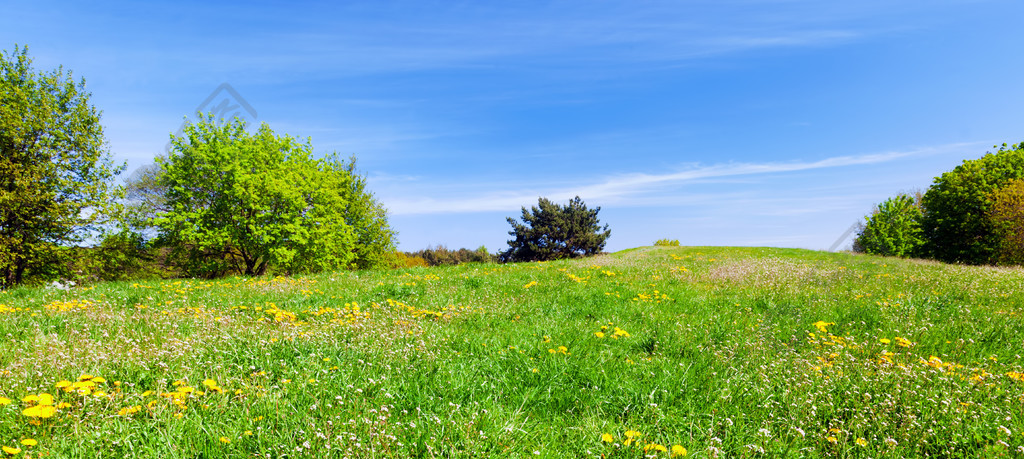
(624, 189)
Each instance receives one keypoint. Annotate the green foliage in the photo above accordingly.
(245, 203)
(956, 223)
(402, 260)
(120, 256)
(441, 255)
(666, 243)
(550, 231)
(375, 239)
(893, 229)
(56, 176)
(1007, 217)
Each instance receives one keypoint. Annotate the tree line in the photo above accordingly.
(222, 201)
(973, 214)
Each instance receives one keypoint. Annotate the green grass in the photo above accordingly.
(726, 352)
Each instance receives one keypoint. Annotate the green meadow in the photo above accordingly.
(650, 352)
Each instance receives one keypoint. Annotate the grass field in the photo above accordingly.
(703, 352)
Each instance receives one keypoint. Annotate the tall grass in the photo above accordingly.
(721, 352)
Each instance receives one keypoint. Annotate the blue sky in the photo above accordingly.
(766, 123)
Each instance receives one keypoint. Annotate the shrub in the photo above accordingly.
(893, 229)
(441, 255)
(124, 255)
(403, 260)
(1007, 218)
(667, 243)
(550, 231)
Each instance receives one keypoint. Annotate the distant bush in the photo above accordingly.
(667, 242)
(120, 256)
(441, 255)
(403, 260)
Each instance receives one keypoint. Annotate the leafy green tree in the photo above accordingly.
(56, 175)
(1007, 216)
(375, 239)
(893, 229)
(956, 223)
(550, 231)
(240, 202)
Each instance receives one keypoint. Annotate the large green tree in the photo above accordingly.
(245, 202)
(956, 223)
(56, 175)
(893, 229)
(550, 231)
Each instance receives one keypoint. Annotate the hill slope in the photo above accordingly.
(718, 351)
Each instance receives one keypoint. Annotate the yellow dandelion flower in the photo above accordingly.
(209, 383)
(599, 334)
(29, 442)
(861, 441)
(4, 401)
(832, 440)
(655, 447)
(11, 451)
(822, 326)
(225, 440)
(535, 370)
(678, 450)
(607, 438)
(884, 340)
(40, 411)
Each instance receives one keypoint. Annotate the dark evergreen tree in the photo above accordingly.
(550, 231)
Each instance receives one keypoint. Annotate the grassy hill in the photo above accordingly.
(721, 352)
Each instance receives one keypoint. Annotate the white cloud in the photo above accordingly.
(628, 190)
